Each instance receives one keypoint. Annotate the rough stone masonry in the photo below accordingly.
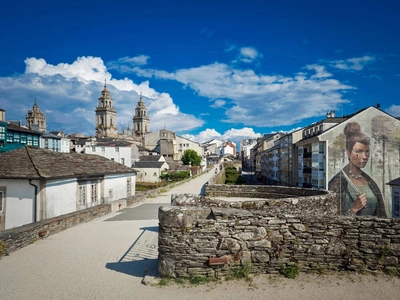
(207, 236)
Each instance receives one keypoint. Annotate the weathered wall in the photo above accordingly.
(189, 236)
(259, 191)
(324, 204)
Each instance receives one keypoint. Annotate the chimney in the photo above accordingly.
(2, 115)
(378, 106)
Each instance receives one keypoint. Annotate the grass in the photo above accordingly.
(240, 272)
(291, 271)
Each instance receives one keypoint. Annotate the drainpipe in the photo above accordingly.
(35, 201)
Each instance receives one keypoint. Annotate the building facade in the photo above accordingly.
(106, 115)
(35, 118)
(141, 120)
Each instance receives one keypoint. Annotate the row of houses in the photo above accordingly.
(311, 156)
(37, 184)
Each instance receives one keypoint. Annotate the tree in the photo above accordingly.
(191, 157)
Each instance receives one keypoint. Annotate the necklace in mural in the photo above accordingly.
(355, 176)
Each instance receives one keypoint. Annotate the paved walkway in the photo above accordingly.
(102, 259)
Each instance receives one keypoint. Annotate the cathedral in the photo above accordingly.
(106, 119)
(35, 118)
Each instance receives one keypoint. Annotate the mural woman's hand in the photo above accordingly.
(359, 203)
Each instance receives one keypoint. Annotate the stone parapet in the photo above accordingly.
(322, 204)
(207, 241)
(259, 191)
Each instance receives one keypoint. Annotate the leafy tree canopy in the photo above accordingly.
(191, 156)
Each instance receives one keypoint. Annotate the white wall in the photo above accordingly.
(117, 184)
(111, 153)
(19, 204)
(60, 197)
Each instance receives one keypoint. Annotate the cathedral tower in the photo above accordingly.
(141, 121)
(35, 118)
(106, 115)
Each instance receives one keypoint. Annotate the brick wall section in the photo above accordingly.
(189, 236)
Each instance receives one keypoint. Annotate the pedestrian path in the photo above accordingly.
(102, 259)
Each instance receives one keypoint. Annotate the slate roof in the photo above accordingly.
(149, 164)
(395, 182)
(35, 163)
(150, 157)
(13, 127)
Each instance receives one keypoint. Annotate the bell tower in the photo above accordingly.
(106, 115)
(35, 119)
(141, 121)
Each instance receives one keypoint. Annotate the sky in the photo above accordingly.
(206, 69)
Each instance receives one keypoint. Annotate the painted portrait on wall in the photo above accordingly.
(363, 156)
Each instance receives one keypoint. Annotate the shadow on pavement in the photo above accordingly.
(142, 256)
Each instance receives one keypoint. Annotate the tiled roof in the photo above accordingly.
(149, 164)
(150, 157)
(34, 163)
(13, 127)
(395, 182)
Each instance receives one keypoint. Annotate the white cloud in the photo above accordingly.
(320, 71)
(394, 110)
(353, 64)
(71, 92)
(230, 135)
(218, 103)
(265, 100)
(248, 54)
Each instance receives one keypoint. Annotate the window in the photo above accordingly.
(123, 161)
(112, 158)
(116, 149)
(2, 197)
(82, 195)
(103, 149)
(94, 192)
(321, 166)
(128, 186)
(396, 204)
(93, 149)
(155, 174)
(16, 138)
(321, 148)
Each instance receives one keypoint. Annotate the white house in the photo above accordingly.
(41, 184)
(119, 151)
(150, 167)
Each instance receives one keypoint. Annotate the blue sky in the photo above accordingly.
(206, 69)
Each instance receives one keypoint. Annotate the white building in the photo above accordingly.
(119, 151)
(150, 168)
(45, 184)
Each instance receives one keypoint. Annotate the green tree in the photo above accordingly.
(191, 156)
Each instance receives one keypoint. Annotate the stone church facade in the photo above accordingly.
(36, 119)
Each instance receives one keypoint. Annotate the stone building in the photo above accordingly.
(141, 121)
(35, 118)
(106, 115)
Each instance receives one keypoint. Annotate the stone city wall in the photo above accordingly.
(259, 191)
(208, 241)
(323, 204)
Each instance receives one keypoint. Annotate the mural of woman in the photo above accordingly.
(360, 195)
